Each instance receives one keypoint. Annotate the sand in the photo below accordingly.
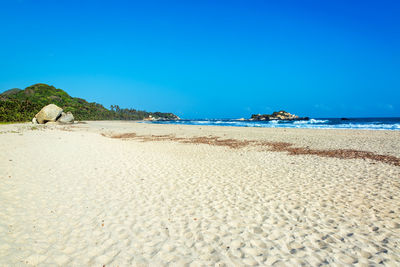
(76, 196)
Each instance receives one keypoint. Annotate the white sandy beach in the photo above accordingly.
(74, 196)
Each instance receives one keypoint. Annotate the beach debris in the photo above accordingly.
(52, 114)
(268, 146)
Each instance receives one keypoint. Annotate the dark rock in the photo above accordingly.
(280, 115)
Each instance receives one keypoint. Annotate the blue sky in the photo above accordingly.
(209, 59)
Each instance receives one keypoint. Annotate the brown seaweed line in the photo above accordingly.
(273, 146)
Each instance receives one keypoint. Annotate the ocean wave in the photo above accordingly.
(373, 126)
(311, 121)
(350, 126)
(310, 124)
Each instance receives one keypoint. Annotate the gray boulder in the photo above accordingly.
(49, 113)
(66, 118)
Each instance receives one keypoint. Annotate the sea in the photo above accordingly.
(317, 123)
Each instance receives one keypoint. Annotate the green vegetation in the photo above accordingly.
(18, 105)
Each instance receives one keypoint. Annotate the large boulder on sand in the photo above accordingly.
(66, 118)
(49, 113)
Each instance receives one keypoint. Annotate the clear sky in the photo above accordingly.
(209, 59)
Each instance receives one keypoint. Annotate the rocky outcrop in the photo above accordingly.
(52, 114)
(169, 117)
(49, 113)
(280, 115)
(66, 118)
(149, 118)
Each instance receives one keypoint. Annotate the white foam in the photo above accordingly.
(311, 121)
(310, 124)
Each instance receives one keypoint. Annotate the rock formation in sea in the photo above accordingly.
(277, 115)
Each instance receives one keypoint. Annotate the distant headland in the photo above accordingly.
(17, 105)
(277, 115)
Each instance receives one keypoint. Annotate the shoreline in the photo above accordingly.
(195, 196)
(257, 127)
(325, 123)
